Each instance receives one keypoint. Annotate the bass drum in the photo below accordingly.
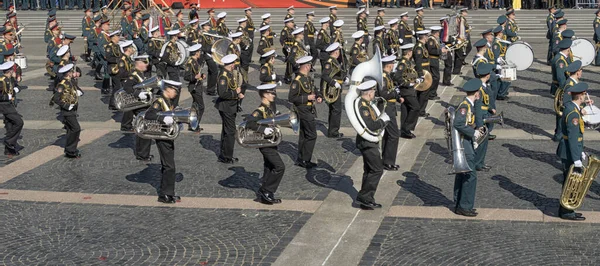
(584, 51)
(519, 54)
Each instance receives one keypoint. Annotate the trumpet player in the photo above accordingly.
(434, 49)
(362, 25)
(193, 75)
(570, 148)
(323, 41)
(13, 123)
(273, 165)
(333, 77)
(372, 162)
(485, 107)
(126, 66)
(264, 44)
(560, 97)
(406, 82)
(211, 65)
(421, 58)
(304, 95)
(465, 184)
(392, 133)
(230, 92)
(142, 146)
(67, 98)
(392, 40)
(309, 36)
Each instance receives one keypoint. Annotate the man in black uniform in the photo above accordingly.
(286, 39)
(332, 18)
(392, 96)
(222, 28)
(267, 69)
(379, 18)
(126, 66)
(362, 25)
(170, 57)
(421, 57)
(264, 45)
(113, 54)
(410, 108)
(230, 92)
(297, 50)
(404, 30)
(250, 28)
(155, 44)
(193, 75)
(193, 35)
(290, 12)
(67, 97)
(333, 77)
(211, 65)
(142, 146)
(323, 41)
(392, 40)
(245, 48)
(309, 36)
(358, 52)
(166, 148)
(13, 123)
(373, 164)
(267, 22)
(304, 95)
(273, 165)
(378, 41)
(434, 49)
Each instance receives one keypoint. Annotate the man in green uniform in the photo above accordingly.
(560, 62)
(485, 106)
(575, 70)
(597, 37)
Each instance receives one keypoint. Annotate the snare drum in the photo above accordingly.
(592, 117)
(584, 51)
(509, 73)
(21, 60)
(519, 54)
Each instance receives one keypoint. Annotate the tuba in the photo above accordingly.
(331, 93)
(128, 102)
(156, 129)
(455, 145)
(578, 184)
(374, 69)
(182, 48)
(427, 81)
(248, 138)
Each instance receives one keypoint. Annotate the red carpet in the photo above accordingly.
(223, 4)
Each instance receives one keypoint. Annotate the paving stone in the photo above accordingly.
(32, 140)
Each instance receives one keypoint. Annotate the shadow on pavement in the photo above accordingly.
(548, 206)
(429, 194)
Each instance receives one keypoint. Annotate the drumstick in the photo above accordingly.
(589, 100)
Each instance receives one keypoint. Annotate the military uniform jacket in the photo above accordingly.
(309, 33)
(392, 42)
(355, 52)
(154, 47)
(402, 80)
(418, 23)
(464, 122)
(489, 55)
(323, 41)
(369, 117)
(207, 43)
(87, 26)
(66, 89)
(553, 28)
(338, 36)
(549, 20)
(179, 25)
(144, 37)
(362, 24)
(559, 70)
(226, 88)
(192, 68)
(266, 74)
(244, 49)
(7, 88)
(103, 41)
(47, 35)
(301, 87)
(484, 105)
(511, 31)
(263, 45)
(250, 27)
(136, 77)
(160, 104)
(388, 92)
(288, 16)
(433, 48)
(597, 30)
(166, 23)
(171, 54)
(332, 19)
(571, 145)
(296, 48)
(499, 48)
(222, 29)
(565, 96)
(379, 43)
(113, 53)
(125, 67)
(126, 27)
(332, 66)
(556, 38)
(476, 61)
(262, 112)
(421, 57)
(234, 49)
(405, 32)
(286, 38)
(379, 21)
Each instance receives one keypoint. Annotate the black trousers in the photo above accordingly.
(448, 68)
(197, 99)
(373, 169)
(469, 47)
(434, 68)
(227, 134)
(161, 70)
(166, 149)
(410, 114)
(142, 146)
(389, 142)
(13, 123)
(459, 58)
(116, 82)
(72, 136)
(127, 120)
(213, 74)
(335, 117)
(307, 137)
(274, 169)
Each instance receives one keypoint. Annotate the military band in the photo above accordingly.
(142, 145)
(230, 91)
(194, 76)
(13, 122)
(332, 79)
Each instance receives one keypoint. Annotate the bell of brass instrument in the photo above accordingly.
(495, 119)
(484, 134)
(427, 81)
(182, 49)
(128, 102)
(248, 138)
(558, 101)
(455, 144)
(219, 49)
(156, 129)
(578, 184)
(331, 93)
(69, 96)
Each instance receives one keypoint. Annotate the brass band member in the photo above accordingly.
(379, 18)
(166, 148)
(512, 28)
(155, 44)
(249, 28)
(273, 165)
(142, 146)
(297, 50)
(485, 107)
(404, 31)
(338, 36)
(179, 24)
(193, 12)
(323, 40)
(362, 25)
(309, 37)
(435, 49)
(332, 18)
(304, 95)
(575, 70)
(170, 57)
(421, 57)
(230, 91)
(392, 133)
(267, 69)
(221, 26)
(213, 70)
(234, 47)
(372, 162)
(378, 41)
(87, 26)
(464, 35)
(290, 12)
(113, 53)
(264, 45)
(406, 78)
(245, 48)
(144, 34)
(126, 66)
(193, 35)
(67, 98)
(13, 123)
(267, 22)
(358, 51)
(193, 75)
(213, 21)
(449, 61)
(286, 39)
(164, 21)
(418, 20)
(392, 41)
(333, 77)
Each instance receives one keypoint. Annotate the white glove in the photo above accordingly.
(346, 81)
(500, 76)
(498, 67)
(16, 89)
(499, 60)
(401, 41)
(477, 134)
(362, 44)
(71, 106)
(370, 37)
(273, 77)
(245, 49)
(168, 120)
(209, 55)
(143, 95)
(345, 42)
(578, 163)
(79, 92)
(337, 85)
(419, 81)
(413, 32)
(268, 131)
(9, 97)
(411, 84)
(307, 47)
(583, 156)
(519, 38)
(385, 117)
(279, 83)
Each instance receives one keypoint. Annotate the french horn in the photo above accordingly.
(248, 138)
(558, 101)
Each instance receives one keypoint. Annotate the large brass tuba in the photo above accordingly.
(427, 81)
(578, 184)
(374, 69)
(127, 102)
(455, 145)
(156, 129)
(248, 138)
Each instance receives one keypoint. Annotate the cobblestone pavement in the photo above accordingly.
(35, 140)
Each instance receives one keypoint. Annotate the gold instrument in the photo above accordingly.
(156, 129)
(577, 185)
(331, 93)
(455, 144)
(220, 49)
(127, 102)
(410, 73)
(69, 95)
(427, 81)
(558, 101)
(248, 138)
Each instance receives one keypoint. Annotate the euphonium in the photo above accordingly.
(331, 93)
(578, 184)
(127, 102)
(455, 145)
(373, 69)
(156, 129)
(558, 101)
(248, 138)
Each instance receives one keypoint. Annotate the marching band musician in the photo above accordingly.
(50, 48)
(309, 36)
(597, 37)
(404, 31)
(392, 133)
(234, 47)
(67, 98)
(212, 19)
(103, 40)
(379, 18)
(290, 12)
(193, 36)
(449, 61)
(273, 165)
(421, 58)
(362, 25)
(512, 29)
(333, 77)
(193, 12)
(558, 36)
(570, 148)
(126, 66)
(358, 51)
(164, 22)
(104, 10)
(193, 75)
(13, 123)
(286, 38)
(332, 18)
(113, 54)
(465, 184)
(48, 34)
(56, 40)
(480, 57)
(143, 35)
(323, 41)
(464, 35)
(559, 64)
(378, 42)
(264, 45)
(142, 146)
(304, 95)
(93, 37)
(392, 40)
(575, 70)
(221, 26)
(179, 24)
(63, 57)
(267, 22)
(297, 50)
(230, 92)
(549, 24)
(155, 44)
(410, 109)
(499, 47)
(435, 50)
(373, 164)
(126, 20)
(418, 20)
(338, 36)
(245, 48)
(490, 56)
(170, 57)
(9, 56)
(249, 28)
(87, 26)
(267, 69)
(166, 148)
(213, 70)
(484, 107)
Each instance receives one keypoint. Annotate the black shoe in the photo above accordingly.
(556, 138)
(491, 137)
(572, 216)
(267, 197)
(338, 135)
(463, 212)
(73, 155)
(11, 153)
(465, 63)
(448, 84)
(434, 98)
(502, 98)
(376, 205)
(239, 109)
(147, 159)
(167, 199)
(424, 115)
(225, 160)
(367, 205)
(306, 164)
(408, 136)
(198, 130)
(127, 129)
(234, 159)
(390, 167)
(484, 168)
(211, 93)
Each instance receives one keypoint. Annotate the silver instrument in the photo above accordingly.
(156, 129)
(455, 144)
(128, 102)
(248, 138)
(495, 119)
(182, 48)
